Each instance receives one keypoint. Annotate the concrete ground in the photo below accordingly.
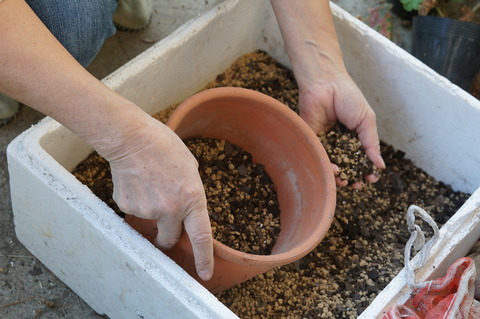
(27, 288)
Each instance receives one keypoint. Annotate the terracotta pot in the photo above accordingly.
(294, 159)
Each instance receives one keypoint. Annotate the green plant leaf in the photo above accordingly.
(411, 5)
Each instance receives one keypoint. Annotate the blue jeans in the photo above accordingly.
(81, 26)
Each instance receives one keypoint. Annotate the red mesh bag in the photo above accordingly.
(451, 296)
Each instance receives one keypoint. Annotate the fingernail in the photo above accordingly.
(205, 275)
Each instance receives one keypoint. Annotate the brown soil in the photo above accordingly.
(363, 250)
(346, 151)
(241, 198)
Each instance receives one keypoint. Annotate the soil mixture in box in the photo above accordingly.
(362, 251)
(241, 199)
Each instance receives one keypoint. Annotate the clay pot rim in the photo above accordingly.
(299, 251)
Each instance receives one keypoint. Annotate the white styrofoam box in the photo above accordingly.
(119, 273)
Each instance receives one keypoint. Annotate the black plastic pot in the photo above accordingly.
(450, 47)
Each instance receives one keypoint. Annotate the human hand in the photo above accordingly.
(323, 103)
(157, 178)
(327, 93)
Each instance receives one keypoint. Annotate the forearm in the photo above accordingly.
(36, 70)
(309, 34)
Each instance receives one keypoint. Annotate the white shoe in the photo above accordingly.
(8, 109)
(133, 15)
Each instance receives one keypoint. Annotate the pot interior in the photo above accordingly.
(280, 140)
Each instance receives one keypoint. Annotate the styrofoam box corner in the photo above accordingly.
(119, 273)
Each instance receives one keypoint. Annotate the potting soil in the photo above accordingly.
(241, 198)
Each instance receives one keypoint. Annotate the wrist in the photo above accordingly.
(321, 72)
(116, 127)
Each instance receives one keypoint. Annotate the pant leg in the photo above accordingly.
(82, 26)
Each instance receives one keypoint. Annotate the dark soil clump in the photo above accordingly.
(363, 249)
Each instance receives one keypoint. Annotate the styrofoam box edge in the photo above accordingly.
(118, 272)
